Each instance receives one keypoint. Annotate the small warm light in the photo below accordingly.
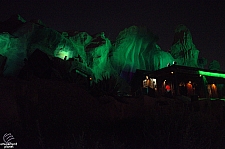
(200, 75)
(90, 78)
(171, 72)
(189, 82)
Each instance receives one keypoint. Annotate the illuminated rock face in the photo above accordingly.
(159, 59)
(23, 41)
(93, 52)
(183, 49)
(14, 48)
(18, 44)
(136, 48)
(98, 56)
(80, 41)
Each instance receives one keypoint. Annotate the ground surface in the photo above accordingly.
(54, 114)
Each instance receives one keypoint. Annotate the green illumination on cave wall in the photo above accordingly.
(212, 74)
(63, 54)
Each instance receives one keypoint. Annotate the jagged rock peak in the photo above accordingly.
(183, 49)
(181, 28)
(16, 17)
(182, 35)
(12, 24)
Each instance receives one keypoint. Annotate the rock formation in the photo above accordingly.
(136, 48)
(19, 41)
(183, 49)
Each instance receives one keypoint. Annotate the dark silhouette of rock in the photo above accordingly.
(12, 24)
(214, 65)
(202, 62)
(2, 64)
(183, 49)
(40, 64)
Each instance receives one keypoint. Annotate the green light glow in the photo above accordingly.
(212, 74)
(136, 48)
(62, 54)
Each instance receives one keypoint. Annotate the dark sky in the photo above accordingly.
(205, 19)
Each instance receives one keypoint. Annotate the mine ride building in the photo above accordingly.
(176, 80)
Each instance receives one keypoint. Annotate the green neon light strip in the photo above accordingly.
(212, 74)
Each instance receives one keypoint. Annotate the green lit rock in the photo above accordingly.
(80, 40)
(159, 59)
(4, 43)
(214, 65)
(136, 48)
(14, 48)
(183, 49)
(19, 41)
(98, 56)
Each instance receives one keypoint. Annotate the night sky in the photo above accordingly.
(206, 20)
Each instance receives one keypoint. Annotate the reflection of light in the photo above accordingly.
(189, 82)
(171, 72)
(200, 75)
(90, 78)
(164, 80)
